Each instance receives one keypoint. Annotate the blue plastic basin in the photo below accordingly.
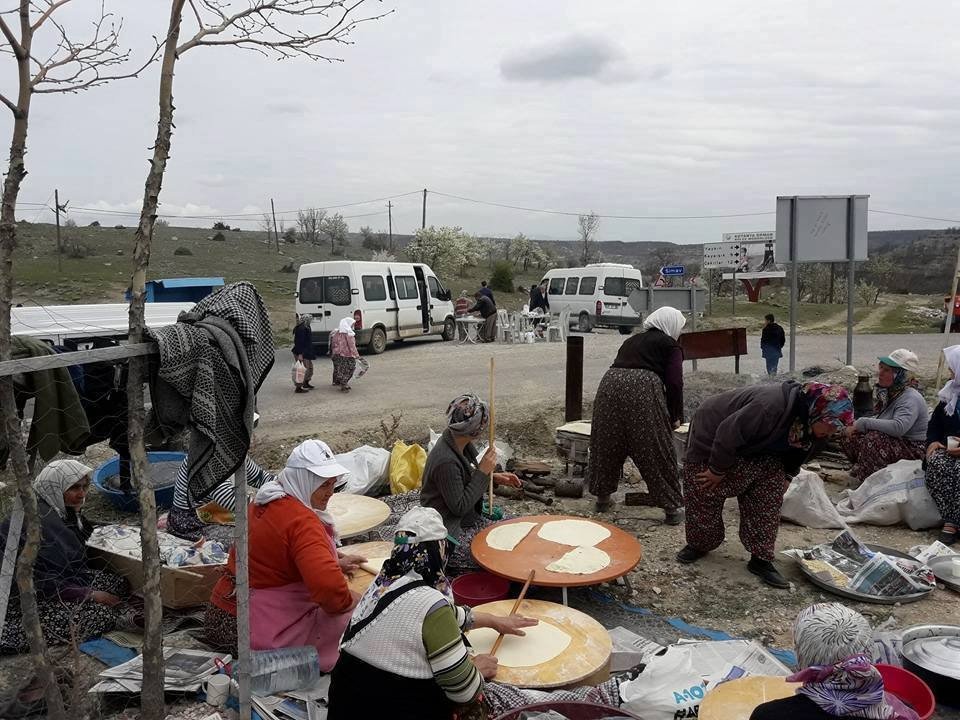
(130, 503)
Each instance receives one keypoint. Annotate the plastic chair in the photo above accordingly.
(559, 327)
(506, 327)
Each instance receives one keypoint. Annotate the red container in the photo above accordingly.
(477, 588)
(909, 688)
(573, 711)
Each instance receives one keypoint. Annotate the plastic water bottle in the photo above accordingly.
(284, 670)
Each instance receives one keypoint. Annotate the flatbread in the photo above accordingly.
(373, 565)
(581, 561)
(507, 537)
(579, 533)
(542, 643)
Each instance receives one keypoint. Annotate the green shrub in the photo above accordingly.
(502, 277)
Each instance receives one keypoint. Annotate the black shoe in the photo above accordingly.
(947, 538)
(308, 386)
(604, 503)
(690, 555)
(673, 517)
(299, 390)
(767, 571)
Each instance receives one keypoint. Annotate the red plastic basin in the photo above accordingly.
(477, 588)
(909, 688)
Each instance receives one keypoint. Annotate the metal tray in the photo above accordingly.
(939, 566)
(863, 597)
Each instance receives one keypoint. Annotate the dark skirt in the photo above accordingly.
(943, 482)
(630, 419)
(186, 525)
(343, 368)
(874, 450)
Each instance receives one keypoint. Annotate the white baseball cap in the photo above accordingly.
(423, 524)
(317, 457)
(902, 358)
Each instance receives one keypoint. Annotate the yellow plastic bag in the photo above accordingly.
(406, 467)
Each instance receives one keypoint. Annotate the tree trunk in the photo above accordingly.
(16, 172)
(151, 698)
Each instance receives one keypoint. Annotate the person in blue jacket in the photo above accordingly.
(304, 352)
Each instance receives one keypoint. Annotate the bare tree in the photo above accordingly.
(587, 226)
(310, 225)
(69, 67)
(336, 228)
(273, 28)
(266, 225)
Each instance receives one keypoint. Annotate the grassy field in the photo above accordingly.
(96, 266)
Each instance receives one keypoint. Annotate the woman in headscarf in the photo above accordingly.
(899, 426)
(835, 650)
(299, 594)
(303, 351)
(455, 479)
(943, 463)
(638, 405)
(406, 640)
(343, 350)
(75, 602)
(747, 443)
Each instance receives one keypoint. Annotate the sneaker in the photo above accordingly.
(690, 555)
(767, 571)
(673, 517)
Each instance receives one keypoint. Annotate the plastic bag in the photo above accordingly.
(298, 372)
(368, 470)
(360, 369)
(806, 503)
(894, 494)
(406, 467)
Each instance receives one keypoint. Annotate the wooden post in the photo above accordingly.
(574, 386)
(948, 316)
(423, 225)
(276, 234)
(492, 428)
(240, 536)
(390, 223)
(56, 212)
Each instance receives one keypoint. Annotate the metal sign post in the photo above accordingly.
(851, 284)
(794, 269)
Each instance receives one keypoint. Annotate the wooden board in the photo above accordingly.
(587, 655)
(535, 553)
(179, 587)
(737, 699)
(361, 578)
(356, 514)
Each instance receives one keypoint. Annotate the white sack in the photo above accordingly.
(368, 470)
(806, 503)
(894, 494)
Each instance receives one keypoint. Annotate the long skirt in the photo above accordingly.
(874, 450)
(630, 419)
(943, 482)
(64, 622)
(186, 525)
(343, 368)
(461, 560)
(220, 630)
(500, 698)
(758, 483)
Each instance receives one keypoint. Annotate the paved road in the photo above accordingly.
(420, 377)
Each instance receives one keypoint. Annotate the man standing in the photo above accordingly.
(486, 292)
(303, 351)
(488, 311)
(772, 341)
(537, 298)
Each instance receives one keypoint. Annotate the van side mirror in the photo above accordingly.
(445, 295)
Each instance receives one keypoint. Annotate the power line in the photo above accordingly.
(917, 217)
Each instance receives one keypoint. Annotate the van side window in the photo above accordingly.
(572, 286)
(434, 287)
(588, 285)
(373, 287)
(406, 287)
(556, 286)
(613, 286)
(311, 291)
(391, 288)
(336, 289)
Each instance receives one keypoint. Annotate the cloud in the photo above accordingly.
(287, 107)
(576, 57)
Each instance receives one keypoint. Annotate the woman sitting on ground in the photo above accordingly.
(746, 444)
(183, 521)
(75, 602)
(300, 593)
(405, 639)
(943, 463)
(638, 405)
(455, 480)
(835, 650)
(899, 426)
(343, 351)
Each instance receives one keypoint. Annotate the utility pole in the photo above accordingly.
(58, 208)
(423, 224)
(276, 234)
(390, 223)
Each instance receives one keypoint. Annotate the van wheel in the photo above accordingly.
(449, 329)
(584, 324)
(378, 341)
(625, 329)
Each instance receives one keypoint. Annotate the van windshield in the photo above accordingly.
(333, 289)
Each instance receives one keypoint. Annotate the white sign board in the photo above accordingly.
(747, 252)
(720, 255)
(763, 236)
(821, 228)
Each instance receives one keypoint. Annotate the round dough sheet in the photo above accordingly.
(579, 533)
(581, 561)
(542, 643)
(507, 537)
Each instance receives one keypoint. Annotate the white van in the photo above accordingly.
(595, 295)
(388, 301)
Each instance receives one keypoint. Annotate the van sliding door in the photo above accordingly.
(425, 300)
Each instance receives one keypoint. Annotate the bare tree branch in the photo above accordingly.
(51, 9)
(15, 47)
(6, 101)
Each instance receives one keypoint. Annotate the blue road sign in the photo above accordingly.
(671, 270)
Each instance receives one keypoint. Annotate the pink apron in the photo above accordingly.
(287, 617)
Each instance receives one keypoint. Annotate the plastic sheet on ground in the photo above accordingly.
(894, 494)
(368, 470)
(806, 503)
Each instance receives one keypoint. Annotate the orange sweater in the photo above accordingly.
(288, 544)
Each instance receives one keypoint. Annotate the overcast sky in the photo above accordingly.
(623, 108)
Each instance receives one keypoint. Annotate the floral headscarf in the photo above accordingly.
(833, 647)
(467, 416)
(825, 403)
